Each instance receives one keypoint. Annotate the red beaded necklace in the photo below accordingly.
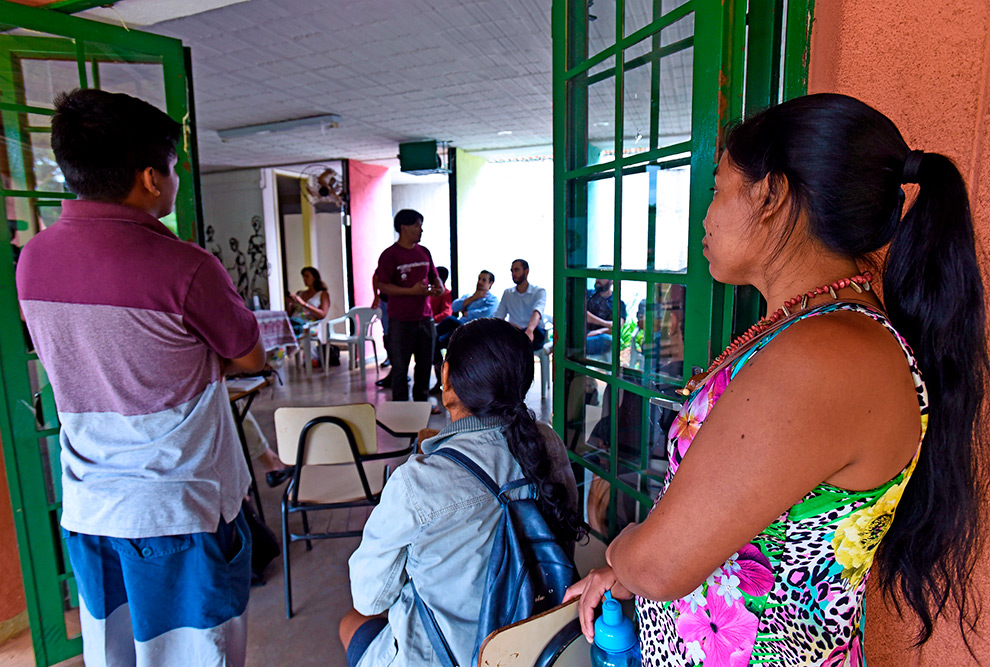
(860, 283)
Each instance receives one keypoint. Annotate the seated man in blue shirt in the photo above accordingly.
(470, 307)
(480, 304)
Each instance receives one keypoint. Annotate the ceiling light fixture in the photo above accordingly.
(324, 122)
(504, 133)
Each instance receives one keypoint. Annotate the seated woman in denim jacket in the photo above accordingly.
(435, 525)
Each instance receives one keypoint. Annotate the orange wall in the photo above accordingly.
(11, 588)
(926, 64)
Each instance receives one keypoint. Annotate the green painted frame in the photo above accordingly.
(730, 81)
(44, 565)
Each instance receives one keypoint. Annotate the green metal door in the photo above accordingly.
(642, 92)
(41, 54)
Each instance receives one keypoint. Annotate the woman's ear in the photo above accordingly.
(771, 195)
(444, 373)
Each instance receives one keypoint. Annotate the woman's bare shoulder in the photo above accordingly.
(839, 375)
(845, 345)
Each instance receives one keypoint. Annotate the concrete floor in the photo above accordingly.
(321, 592)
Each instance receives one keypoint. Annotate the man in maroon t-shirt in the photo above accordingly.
(407, 275)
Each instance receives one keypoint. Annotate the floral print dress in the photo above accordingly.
(794, 594)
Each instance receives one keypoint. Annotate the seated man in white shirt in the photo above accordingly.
(524, 305)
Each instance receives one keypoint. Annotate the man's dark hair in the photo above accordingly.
(443, 273)
(523, 262)
(491, 276)
(406, 216)
(102, 140)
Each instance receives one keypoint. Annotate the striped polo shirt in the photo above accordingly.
(131, 324)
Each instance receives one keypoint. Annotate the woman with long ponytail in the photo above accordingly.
(840, 432)
(435, 526)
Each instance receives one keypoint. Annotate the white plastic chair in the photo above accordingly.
(362, 321)
(313, 332)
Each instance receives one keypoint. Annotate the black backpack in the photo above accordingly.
(528, 570)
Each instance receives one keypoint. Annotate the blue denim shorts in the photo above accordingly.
(362, 639)
(197, 582)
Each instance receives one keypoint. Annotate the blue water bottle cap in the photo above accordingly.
(614, 632)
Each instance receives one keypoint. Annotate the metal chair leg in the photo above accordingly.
(309, 543)
(286, 542)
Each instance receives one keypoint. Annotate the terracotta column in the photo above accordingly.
(13, 612)
(926, 65)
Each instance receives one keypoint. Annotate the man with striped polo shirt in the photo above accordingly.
(136, 330)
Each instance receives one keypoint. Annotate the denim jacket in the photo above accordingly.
(435, 525)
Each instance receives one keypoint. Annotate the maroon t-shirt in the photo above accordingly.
(404, 267)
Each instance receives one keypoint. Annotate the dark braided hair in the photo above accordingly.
(490, 367)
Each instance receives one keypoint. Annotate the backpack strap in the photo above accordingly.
(439, 643)
(465, 462)
(468, 464)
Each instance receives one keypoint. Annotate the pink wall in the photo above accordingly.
(926, 64)
(371, 222)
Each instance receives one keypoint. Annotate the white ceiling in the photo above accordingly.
(393, 70)
(141, 13)
(476, 73)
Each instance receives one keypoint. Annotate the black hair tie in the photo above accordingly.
(912, 167)
(516, 411)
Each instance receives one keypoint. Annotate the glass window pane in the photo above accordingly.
(632, 338)
(680, 29)
(636, 90)
(638, 202)
(651, 343)
(608, 511)
(669, 191)
(47, 175)
(28, 161)
(583, 413)
(650, 460)
(48, 212)
(631, 410)
(601, 25)
(676, 84)
(142, 80)
(43, 400)
(51, 468)
(590, 234)
(640, 13)
(656, 197)
(667, 342)
(595, 303)
(592, 95)
(43, 79)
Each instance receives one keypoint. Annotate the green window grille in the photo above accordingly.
(642, 92)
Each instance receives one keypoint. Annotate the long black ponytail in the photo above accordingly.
(934, 296)
(490, 367)
(844, 163)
